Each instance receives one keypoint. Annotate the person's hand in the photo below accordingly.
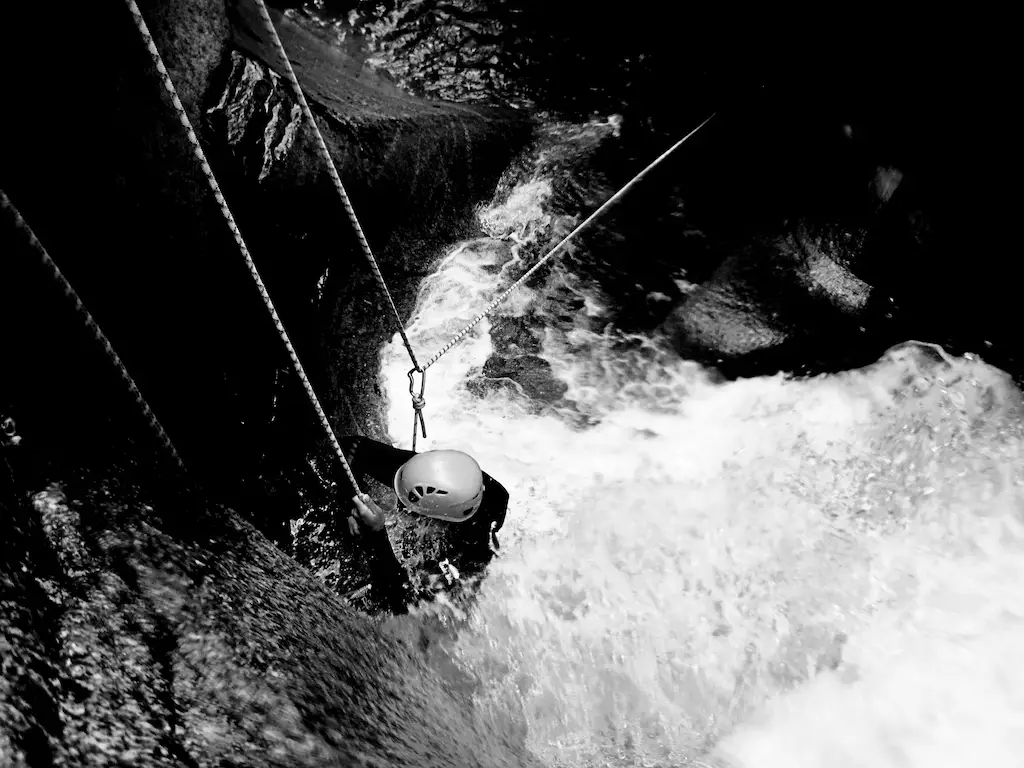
(366, 511)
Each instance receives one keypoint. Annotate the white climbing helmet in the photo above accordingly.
(446, 485)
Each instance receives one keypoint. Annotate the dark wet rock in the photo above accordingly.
(634, 254)
(484, 387)
(927, 247)
(814, 298)
(182, 310)
(255, 116)
(790, 140)
(131, 636)
(143, 627)
(530, 373)
(793, 289)
(515, 369)
(514, 336)
(566, 306)
(140, 624)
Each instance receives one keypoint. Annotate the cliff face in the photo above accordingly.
(101, 169)
(114, 646)
(167, 633)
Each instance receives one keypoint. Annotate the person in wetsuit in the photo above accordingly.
(444, 485)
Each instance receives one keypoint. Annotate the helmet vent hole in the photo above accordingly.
(442, 484)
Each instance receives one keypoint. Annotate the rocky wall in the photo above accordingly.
(143, 622)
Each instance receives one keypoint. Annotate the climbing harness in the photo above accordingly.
(586, 223)
(417, 401)
(90, 323)
(179, 108)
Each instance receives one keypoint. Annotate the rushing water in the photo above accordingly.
(766, 572)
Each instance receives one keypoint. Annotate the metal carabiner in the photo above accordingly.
(418, 403)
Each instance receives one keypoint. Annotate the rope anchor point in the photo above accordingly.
(418, 402)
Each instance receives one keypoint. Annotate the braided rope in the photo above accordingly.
(586, 223)
(90, 323)
(179, 108)
(332, 171)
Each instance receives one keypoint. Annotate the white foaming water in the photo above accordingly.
(761, 573)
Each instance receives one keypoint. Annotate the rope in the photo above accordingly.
(332, 171)
(168, 84)
(589, 220)
(418, 403)
(90, 323)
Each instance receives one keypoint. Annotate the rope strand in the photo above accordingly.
(179, 108)
(90, 323)
(586, 223)
(332, 171)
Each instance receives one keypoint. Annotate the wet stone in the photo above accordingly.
(532, 374)
(484, 387)
(514, 335)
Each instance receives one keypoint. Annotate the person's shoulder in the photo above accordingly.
(495, 502)
(492, 486)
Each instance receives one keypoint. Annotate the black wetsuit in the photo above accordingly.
(470, 542)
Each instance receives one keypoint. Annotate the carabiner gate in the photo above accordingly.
(418, 403)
